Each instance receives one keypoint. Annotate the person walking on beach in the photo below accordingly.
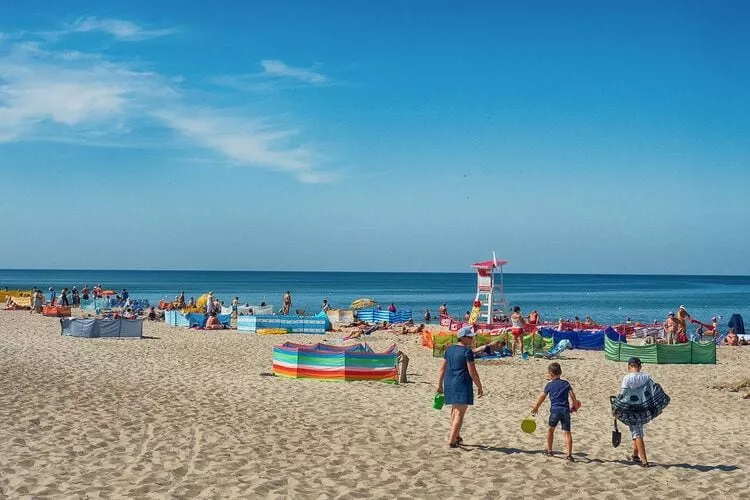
(559, 391)
(516, 328)
(458, 375)
(635, 379)
(287, 303)
(85, 292)
(64, 297)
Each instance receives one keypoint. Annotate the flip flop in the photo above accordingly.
(570, 458)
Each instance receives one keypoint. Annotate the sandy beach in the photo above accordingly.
(184, 414)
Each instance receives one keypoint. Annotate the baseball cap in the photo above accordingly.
(466, 331)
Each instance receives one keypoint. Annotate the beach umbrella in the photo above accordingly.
(363, 303)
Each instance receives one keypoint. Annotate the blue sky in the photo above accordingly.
(571, 136)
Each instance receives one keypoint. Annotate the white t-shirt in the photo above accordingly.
(635, 380)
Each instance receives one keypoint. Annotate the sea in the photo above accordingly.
(608, 299)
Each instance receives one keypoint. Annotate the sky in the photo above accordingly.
(571, 137)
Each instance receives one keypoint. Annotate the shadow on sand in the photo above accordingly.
(584, 459)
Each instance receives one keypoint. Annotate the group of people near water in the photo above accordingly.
(458, 376)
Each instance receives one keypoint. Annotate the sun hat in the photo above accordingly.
(682, 307)
(670, 313)
(466, 331)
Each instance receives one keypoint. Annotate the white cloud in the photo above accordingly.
(127, 31)
(246, 142)
(278, 69)
(78, 97)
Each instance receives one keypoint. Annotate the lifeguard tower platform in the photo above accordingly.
(490, 293)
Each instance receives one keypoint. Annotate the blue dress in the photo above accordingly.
(458, 386)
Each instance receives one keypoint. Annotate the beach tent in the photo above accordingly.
(592, 340)
(335, 363)
(96, 328)
(697, 353)
(375, 316)
(292, 324)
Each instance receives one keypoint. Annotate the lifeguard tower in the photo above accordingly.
(490, 295)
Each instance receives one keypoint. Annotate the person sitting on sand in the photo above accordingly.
(588, 321)
(411, 329)
(152, 314)
(212, 323)
(732, 338)
(392, 308)
(181, 300)
(495, 347)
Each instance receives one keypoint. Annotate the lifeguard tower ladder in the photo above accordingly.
(490, 296)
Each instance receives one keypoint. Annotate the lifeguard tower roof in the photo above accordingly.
(489, 264)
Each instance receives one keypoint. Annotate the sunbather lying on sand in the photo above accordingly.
(496, 347)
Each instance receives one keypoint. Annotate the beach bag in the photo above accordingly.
(639, 406)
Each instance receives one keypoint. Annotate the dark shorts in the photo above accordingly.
(562, 417)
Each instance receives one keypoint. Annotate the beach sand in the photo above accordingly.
(194, 414)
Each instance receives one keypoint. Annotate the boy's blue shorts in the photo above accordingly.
(562, 417)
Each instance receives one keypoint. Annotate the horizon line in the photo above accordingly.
(373, 272)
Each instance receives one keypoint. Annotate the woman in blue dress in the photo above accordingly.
(457, 376)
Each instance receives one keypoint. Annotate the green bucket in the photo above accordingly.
(438, 401)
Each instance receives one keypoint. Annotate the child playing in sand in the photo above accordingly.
(635, 379)
(558, 390)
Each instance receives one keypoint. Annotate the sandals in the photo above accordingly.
(549, 453)
(635, 459)
(570, 458)
(645, 465)
(454, 445)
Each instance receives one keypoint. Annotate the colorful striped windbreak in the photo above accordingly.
(341, 363)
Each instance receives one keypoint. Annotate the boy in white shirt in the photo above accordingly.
(634, 380)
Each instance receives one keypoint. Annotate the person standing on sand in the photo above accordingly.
(458, 375)
(427, 316)
(443, 310)
(287, 301)
(517, 324)
(85, 292)
(682, 317)
(670, 328)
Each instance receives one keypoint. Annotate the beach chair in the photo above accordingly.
(556, 350)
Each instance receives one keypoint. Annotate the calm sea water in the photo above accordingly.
(606, 298)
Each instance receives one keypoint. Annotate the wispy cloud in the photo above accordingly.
(246, 141)
(120, 29)
(279, 69)
(275, 75)
(73, 96)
